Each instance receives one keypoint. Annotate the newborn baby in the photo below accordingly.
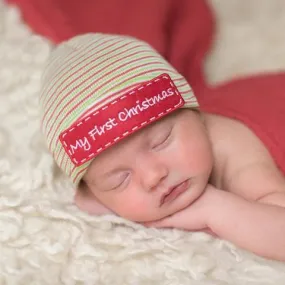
(125, 126)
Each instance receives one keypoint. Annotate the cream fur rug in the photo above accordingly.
(44, 239)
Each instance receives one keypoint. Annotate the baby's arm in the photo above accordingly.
(254, 226)
(251, 225)
(255, 211)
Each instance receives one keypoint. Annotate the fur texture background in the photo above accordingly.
(44, 239)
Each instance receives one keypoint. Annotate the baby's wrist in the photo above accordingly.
(215, 200)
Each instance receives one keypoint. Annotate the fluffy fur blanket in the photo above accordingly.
(45, 239)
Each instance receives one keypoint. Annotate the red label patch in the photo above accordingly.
(120, 118)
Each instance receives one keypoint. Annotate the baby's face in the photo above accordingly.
(155, 172)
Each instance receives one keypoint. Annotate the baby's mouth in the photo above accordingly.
(174, 192)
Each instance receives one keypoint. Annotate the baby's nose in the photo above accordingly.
(153, 172)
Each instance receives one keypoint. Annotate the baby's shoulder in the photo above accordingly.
(243, 165)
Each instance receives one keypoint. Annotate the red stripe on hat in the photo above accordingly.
(85, 50)
(184, 84)
(88, 86)
(88, 63)
(110, 97)
(70, 64)
(72, 171)
(86, 72)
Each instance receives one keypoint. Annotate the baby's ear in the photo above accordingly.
(86, 201)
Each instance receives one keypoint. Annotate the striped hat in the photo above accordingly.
(98, 89)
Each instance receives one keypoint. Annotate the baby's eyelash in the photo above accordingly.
(121, 182)
(162, 141)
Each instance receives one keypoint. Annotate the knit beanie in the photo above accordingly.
(98, 89)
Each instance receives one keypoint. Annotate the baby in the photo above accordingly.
(125, 126)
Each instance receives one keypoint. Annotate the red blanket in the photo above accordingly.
(181, 30)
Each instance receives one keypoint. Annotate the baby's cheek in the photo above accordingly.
(135, 210)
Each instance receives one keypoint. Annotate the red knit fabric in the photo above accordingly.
(258, 102)
(181, 30)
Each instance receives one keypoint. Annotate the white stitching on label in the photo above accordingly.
(128, 132)
(177, 104)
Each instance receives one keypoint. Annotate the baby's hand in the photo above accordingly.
(87, 202)
(193, 218)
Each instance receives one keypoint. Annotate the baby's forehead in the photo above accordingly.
(156, 125)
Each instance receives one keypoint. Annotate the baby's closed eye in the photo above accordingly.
(116, 180)
(161, 139)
